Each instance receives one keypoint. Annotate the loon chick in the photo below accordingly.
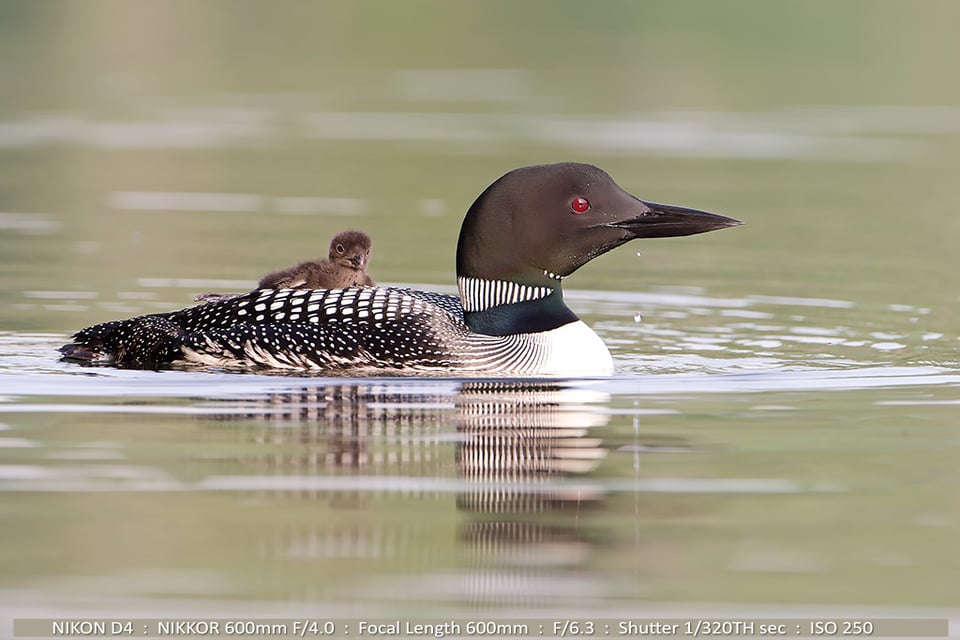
(525, 233)
(345, 266)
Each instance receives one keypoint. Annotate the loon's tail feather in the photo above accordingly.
(138, 342)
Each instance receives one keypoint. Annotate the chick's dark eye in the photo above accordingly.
(580, 205)
(340, 248)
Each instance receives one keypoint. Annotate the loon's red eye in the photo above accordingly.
(580, 205)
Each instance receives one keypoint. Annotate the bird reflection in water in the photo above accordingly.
(519, 449)
(519, 443)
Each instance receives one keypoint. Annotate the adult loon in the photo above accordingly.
(525, 233)
(345, 266)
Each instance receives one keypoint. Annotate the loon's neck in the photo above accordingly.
(505, 307)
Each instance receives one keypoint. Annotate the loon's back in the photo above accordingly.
(358, 328)
(285, 328)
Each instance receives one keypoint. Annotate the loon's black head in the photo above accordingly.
(351, 249)
(538, 224)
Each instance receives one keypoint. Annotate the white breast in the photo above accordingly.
(575, 350)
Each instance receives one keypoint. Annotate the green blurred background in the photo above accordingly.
(831, 128)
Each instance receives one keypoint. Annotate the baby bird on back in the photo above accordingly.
(345, 266)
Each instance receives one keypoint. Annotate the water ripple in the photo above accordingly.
(864, 134)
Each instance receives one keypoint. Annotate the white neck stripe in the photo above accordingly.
(477, 294)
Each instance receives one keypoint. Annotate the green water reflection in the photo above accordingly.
(488, 495)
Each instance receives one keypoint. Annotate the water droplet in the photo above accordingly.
(639, 253)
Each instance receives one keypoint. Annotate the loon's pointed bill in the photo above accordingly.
(522, 236)
(666, 221)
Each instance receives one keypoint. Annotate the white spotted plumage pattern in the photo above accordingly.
(389, 329)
